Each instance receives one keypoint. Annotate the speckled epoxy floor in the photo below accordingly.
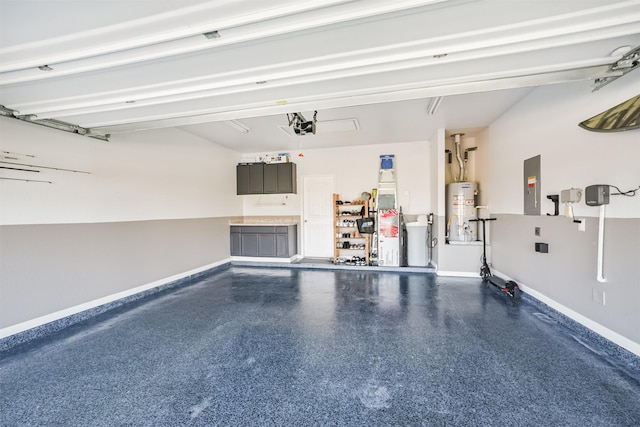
(280, 346)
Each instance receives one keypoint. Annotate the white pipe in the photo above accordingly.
(600, 277)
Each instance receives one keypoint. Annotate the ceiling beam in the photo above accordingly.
(337, 100)
(267, 22)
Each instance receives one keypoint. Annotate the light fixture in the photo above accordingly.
(434, 104)
(237, 126)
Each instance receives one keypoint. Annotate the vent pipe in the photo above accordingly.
(456, 140)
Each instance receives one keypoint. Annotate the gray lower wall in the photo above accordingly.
(47, 268)
(455, 259)
(567, 274)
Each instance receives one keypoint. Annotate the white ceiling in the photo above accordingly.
(128, 66)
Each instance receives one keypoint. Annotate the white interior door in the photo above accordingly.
(317, 217)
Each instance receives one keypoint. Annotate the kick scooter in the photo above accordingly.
(507, 286)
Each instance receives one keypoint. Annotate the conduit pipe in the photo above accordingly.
(600, 276)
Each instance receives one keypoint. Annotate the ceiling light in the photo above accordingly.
(434, 105)
(237, 126)
(212, 35)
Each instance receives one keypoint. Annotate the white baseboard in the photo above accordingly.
(265, 259)
(458, 273)
(603, 331)
(43, 320)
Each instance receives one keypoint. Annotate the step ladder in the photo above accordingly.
(388, 218)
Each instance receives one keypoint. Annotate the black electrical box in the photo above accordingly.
(596, 195)
(542, 248)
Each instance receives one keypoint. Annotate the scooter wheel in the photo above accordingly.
(485, 274)
(512, 288)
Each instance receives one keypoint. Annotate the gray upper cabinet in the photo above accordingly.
(250, 178)
(269, 178)
(280, 178)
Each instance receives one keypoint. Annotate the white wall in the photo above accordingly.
(165, 174)
(474, 166)
(482, 160)
(153, 208)
(355, 170)
(546, 123)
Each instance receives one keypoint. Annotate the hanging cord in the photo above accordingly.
(629, 193)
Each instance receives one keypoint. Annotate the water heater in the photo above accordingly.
(460, 208)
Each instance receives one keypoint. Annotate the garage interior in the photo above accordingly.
(122, 128)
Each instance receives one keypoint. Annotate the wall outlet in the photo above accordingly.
(598, 296)
(536, 231)
(582, 226)
(543, 248)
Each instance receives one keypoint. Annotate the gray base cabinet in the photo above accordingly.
(264, 241)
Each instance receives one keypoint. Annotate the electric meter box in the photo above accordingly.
(596, 195)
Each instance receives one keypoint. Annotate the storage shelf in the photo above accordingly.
(350, 256)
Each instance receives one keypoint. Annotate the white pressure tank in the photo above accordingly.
(460, 208)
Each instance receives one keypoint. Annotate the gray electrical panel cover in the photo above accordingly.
(532, 186)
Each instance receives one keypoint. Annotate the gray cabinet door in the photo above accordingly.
(271, 177)
(282, 245)
(280, 178)
(256, 179)
(267, 245)
(236, 242)
(249, 244)
(292, 235)
(249, 179)
(242, 179)
(286, 178)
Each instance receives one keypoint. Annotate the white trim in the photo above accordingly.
(39, 321)
(458, 274)
(265, 259)
(603, 331)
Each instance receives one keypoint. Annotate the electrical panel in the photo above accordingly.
(532, 186)
(596, 195)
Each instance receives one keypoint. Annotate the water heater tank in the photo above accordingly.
(460, 208)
